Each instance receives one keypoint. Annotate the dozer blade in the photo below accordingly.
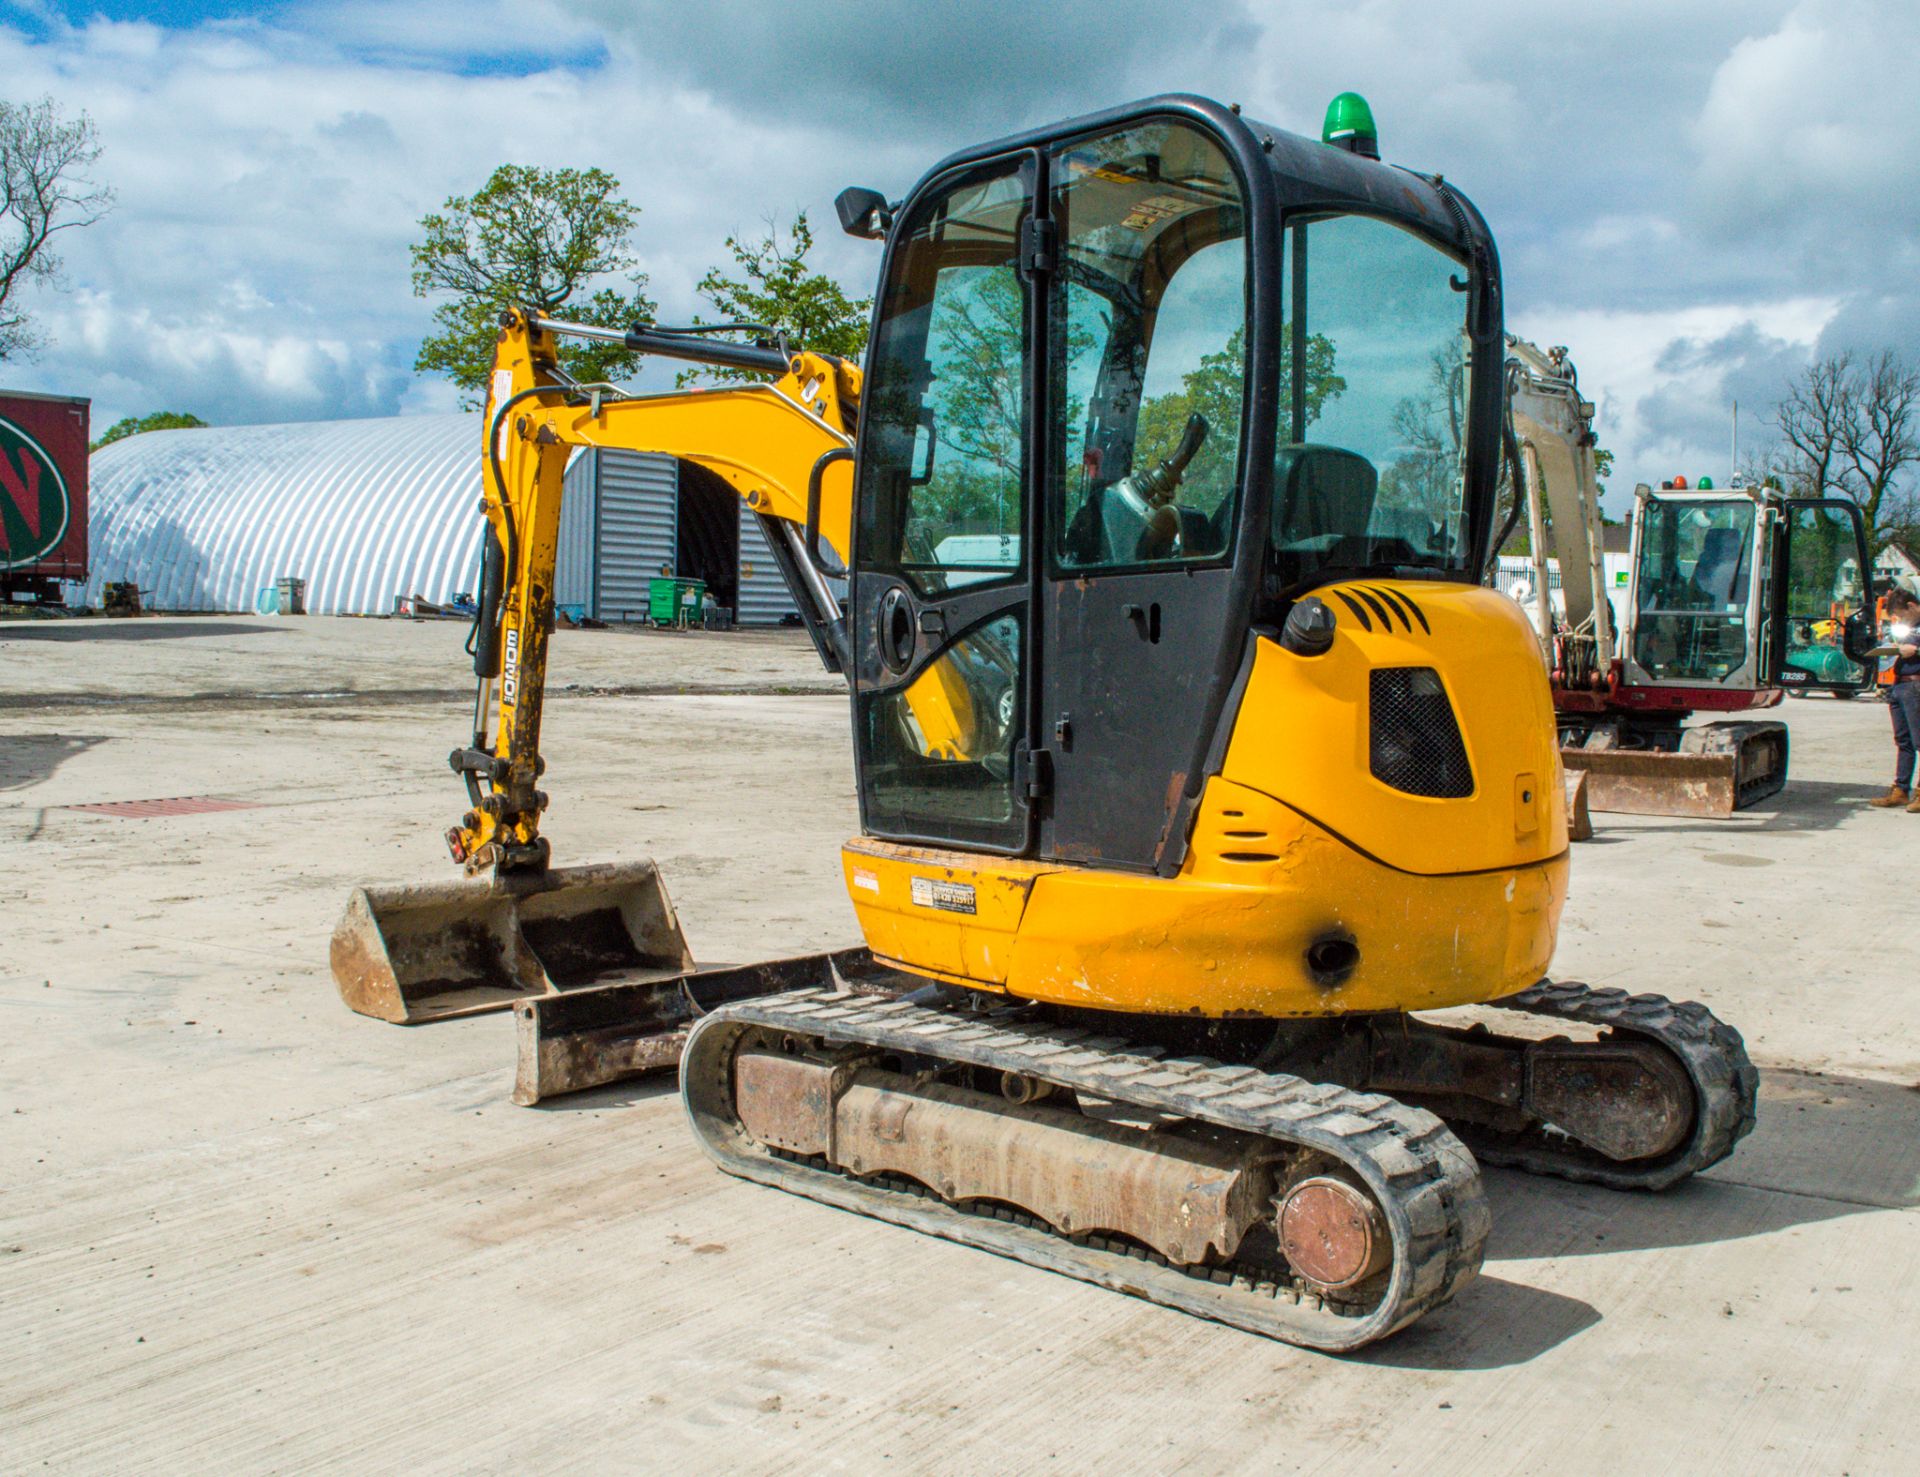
(567, 1043)
(1649, 782)
(1720, 768)
(431, 950)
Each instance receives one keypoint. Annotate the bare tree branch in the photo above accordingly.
(44, 189)
(1852, 430)
(1813, 419)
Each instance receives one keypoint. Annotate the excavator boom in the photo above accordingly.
(517, 928)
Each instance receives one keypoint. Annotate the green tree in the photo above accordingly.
(543, 239)
(44, 190)
(160, 420)
(771, 283)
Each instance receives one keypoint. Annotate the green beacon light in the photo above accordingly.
(1705, 484)
(1349, 126)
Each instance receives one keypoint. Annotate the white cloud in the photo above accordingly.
(1815, 123)
(1665, 382)
(1637, 161)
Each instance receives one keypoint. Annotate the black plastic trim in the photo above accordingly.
(1377, 608)
(1359, 611)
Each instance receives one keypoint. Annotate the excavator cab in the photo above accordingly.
(1135, 386)
(1738, 592)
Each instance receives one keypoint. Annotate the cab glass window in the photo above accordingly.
(1825, 585)
(1695, 577)
(1369, 456)
(937, 753)
(1148, 319)
(942, 482)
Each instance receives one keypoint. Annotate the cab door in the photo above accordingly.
(1823, 618)
(1148, 306)
(940, 598)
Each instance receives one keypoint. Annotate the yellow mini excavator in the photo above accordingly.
(1193, 759)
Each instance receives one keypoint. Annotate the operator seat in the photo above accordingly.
(1323, 496)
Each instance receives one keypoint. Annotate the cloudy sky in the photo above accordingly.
(1695, 195)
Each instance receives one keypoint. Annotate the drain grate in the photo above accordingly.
(178, 805)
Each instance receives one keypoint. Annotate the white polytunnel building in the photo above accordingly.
(371, 512)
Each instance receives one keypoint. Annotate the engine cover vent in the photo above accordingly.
(1415, 740)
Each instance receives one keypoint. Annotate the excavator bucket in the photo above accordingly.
(424, 952)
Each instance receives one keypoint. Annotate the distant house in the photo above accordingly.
(1896, 563)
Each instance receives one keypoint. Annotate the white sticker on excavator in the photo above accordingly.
(947, 897)
(865, 880)
(510, 674)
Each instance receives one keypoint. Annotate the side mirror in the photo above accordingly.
(864, 213)
(1858, 637)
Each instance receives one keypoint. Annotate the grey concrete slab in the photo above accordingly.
(244, 1230)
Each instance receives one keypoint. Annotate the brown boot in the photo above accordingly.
(1913, 805)
(1894, 799)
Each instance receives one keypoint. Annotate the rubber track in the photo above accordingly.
(1427, 1183)
(1726, 1085)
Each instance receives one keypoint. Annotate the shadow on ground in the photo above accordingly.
(1495, 1323)
(27, 759)
(1825, 1147)
(128, 630)
(633, 1091)
(1805, 805)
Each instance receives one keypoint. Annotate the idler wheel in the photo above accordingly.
(1331, 1233)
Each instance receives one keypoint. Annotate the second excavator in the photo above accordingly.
(1731, 598)
(1194, 762)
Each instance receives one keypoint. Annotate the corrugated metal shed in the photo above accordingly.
(764, 599)
(362, 510)
(368, 510)
(639, 520)
(573, 563)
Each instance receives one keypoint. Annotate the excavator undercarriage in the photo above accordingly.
(1314, 1181)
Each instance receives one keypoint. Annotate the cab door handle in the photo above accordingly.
(1145, 618)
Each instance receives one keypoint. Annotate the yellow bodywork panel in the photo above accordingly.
(949, 913)
(1233, 934)
(1302, 735)
(1240, 930)
(762, 438)
(1310, 887)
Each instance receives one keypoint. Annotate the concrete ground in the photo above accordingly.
(242, 1229)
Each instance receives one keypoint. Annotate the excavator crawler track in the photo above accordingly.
(1726, 1086)
(1422, 1182)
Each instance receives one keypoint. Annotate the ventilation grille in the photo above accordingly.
(1416, 744)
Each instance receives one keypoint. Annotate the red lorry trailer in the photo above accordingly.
(43, 494)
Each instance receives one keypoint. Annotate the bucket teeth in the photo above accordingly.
(424, 952)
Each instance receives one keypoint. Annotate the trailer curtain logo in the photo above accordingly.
(33, 499)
